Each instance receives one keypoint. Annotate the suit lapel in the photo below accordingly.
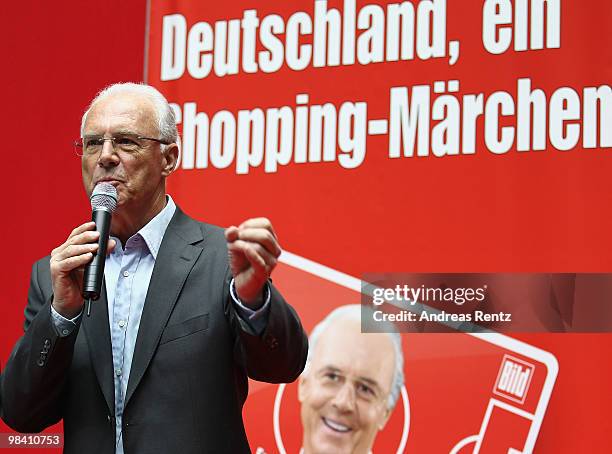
(175, 259)
(97, 333)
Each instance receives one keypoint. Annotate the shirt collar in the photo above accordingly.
(153, 232)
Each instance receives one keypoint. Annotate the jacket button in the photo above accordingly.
(271, 341)
(40, 362)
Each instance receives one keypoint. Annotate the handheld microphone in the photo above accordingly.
(103, 203)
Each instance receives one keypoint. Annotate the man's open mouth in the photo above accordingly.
(335, 426)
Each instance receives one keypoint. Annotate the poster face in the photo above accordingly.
(488, 392)
(427, 136)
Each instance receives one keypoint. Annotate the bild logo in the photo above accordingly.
(513, 379)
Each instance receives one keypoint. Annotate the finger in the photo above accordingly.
(74, 250)
(80, 270)
(70, 250)
(237, 256)
(257, 262)
(263, 223)
(86, 237)
(270, 259)
(110, 247)
(257, 256)
(236, 246)
(71, 263)
(231, 233)
(90, 236)
(89, 225)
(261, 236)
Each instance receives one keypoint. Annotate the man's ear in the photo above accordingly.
(302, 387)
(170, 159)
(384, 417)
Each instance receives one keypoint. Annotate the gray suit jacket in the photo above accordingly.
(193, 354)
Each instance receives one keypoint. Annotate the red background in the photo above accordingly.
(533, 212)
(55, 57)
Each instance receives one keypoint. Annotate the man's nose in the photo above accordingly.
(344, 400)
(108, 157)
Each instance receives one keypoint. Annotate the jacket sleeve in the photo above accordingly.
(33, 381)
(278, 354)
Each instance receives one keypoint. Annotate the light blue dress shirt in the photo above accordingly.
(127, 274)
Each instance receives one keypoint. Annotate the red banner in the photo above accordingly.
(427, 136)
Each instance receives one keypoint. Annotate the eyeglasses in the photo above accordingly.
(128, 143)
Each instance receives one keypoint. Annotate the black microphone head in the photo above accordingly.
(104, 196)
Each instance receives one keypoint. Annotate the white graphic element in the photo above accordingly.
(377, 127)
(277, 430)
(463, 443)
(513, 379)
(453, 86)
(439, 86)
(500, 340)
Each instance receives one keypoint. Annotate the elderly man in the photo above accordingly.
(161, 364)
(350, 385)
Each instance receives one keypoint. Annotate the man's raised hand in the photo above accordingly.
(67, 263)
(253, 252)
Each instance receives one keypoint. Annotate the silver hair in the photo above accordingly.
(166, 121)
(354, 312)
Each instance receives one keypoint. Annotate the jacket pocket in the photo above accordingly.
(178, 330)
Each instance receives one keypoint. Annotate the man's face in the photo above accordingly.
(138, 176)
(344, 392)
